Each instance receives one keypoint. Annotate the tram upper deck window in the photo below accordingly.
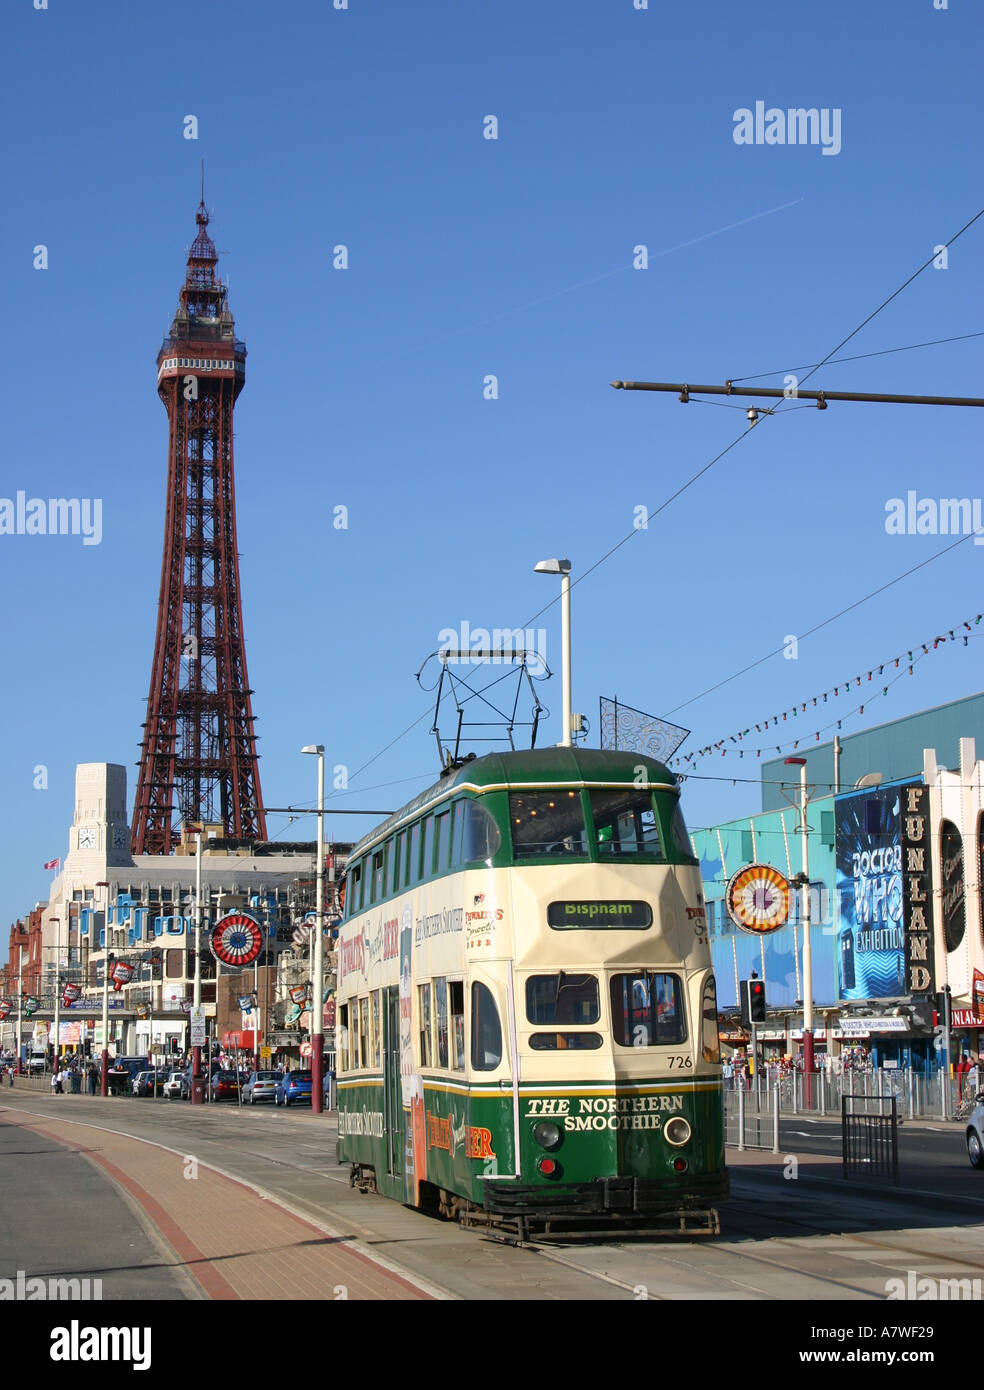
(648, 1009)
(486, 1030)
(377, 875)
(547, 824)
(562, 998)
(678, 829)
(476, 834)
(625, 822)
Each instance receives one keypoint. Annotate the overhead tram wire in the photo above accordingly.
(858, 357)
(547, 606)
(699, 474)
(826, 623)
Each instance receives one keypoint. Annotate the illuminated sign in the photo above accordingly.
(757, 899)
(605, 914)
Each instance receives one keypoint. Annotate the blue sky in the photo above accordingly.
(471, 257)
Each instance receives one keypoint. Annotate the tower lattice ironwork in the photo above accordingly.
(198, 759)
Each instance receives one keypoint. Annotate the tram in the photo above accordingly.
(527, 1032)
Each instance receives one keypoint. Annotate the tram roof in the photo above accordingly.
(543, 766)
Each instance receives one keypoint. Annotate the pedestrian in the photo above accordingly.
(92, 1078)
(961, 1070)
(55, 1083)
(973, 1076)
(10, 1073)
(728, 1074)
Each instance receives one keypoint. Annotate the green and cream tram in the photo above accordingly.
(527, 1024)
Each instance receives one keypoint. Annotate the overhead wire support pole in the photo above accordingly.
(685, 391)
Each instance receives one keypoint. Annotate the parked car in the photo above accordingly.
(172, 1086)
(225, 1085)
(293, 1085)
(975, 1137)
(143, 1083)
(261, 1085)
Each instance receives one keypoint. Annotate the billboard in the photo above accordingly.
(870, 927)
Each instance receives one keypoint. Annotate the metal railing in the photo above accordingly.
(918, 1095)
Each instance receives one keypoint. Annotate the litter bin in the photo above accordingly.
(197, 1090)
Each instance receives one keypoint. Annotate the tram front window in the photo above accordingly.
(625, 822)
(562, 999)
(648, 1010)
(548, 824)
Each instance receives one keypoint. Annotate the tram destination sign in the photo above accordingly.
(610, 914)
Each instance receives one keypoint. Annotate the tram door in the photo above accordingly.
(392, 1090)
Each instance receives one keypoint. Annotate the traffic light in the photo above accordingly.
(752, 1001)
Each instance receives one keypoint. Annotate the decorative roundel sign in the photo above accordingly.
(757, 898)
(5, 1007)
(70, 993)
(236, 939)
(299, 994)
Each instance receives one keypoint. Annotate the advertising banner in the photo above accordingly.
(870, 931)
(951, 865)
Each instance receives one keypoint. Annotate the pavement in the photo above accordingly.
(233, 1242)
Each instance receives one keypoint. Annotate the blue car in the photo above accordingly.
(293, 1085)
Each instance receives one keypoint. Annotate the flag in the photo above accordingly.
(53, 864)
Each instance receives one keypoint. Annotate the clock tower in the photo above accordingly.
(99, 833)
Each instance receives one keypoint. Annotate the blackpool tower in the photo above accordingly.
(198, 759)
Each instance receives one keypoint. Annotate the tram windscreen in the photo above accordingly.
(625, 822)
(547, 823)
(648, 1009)
(562, 998)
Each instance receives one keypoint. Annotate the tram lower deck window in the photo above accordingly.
(562, 998)
(648, 1009)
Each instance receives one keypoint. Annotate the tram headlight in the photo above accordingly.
(547, 1134)
(677, 1131)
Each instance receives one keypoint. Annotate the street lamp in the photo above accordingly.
(563, 568)
(807, 944)
(317, 987)
(197, 1090)
(104, 1069)
(56, 921)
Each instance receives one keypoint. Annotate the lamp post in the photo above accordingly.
(197, 1091)
(807, 944)
(57, 1019)
(563, 568)
(20, 1000)
(104, 1068)
(317, 984)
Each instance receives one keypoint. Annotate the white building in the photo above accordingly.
(107, 902)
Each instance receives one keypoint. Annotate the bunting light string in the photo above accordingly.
(904, 663)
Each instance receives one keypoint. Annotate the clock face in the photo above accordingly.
(119, 836)
(87, 837)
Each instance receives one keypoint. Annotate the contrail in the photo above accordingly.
(595, 279)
